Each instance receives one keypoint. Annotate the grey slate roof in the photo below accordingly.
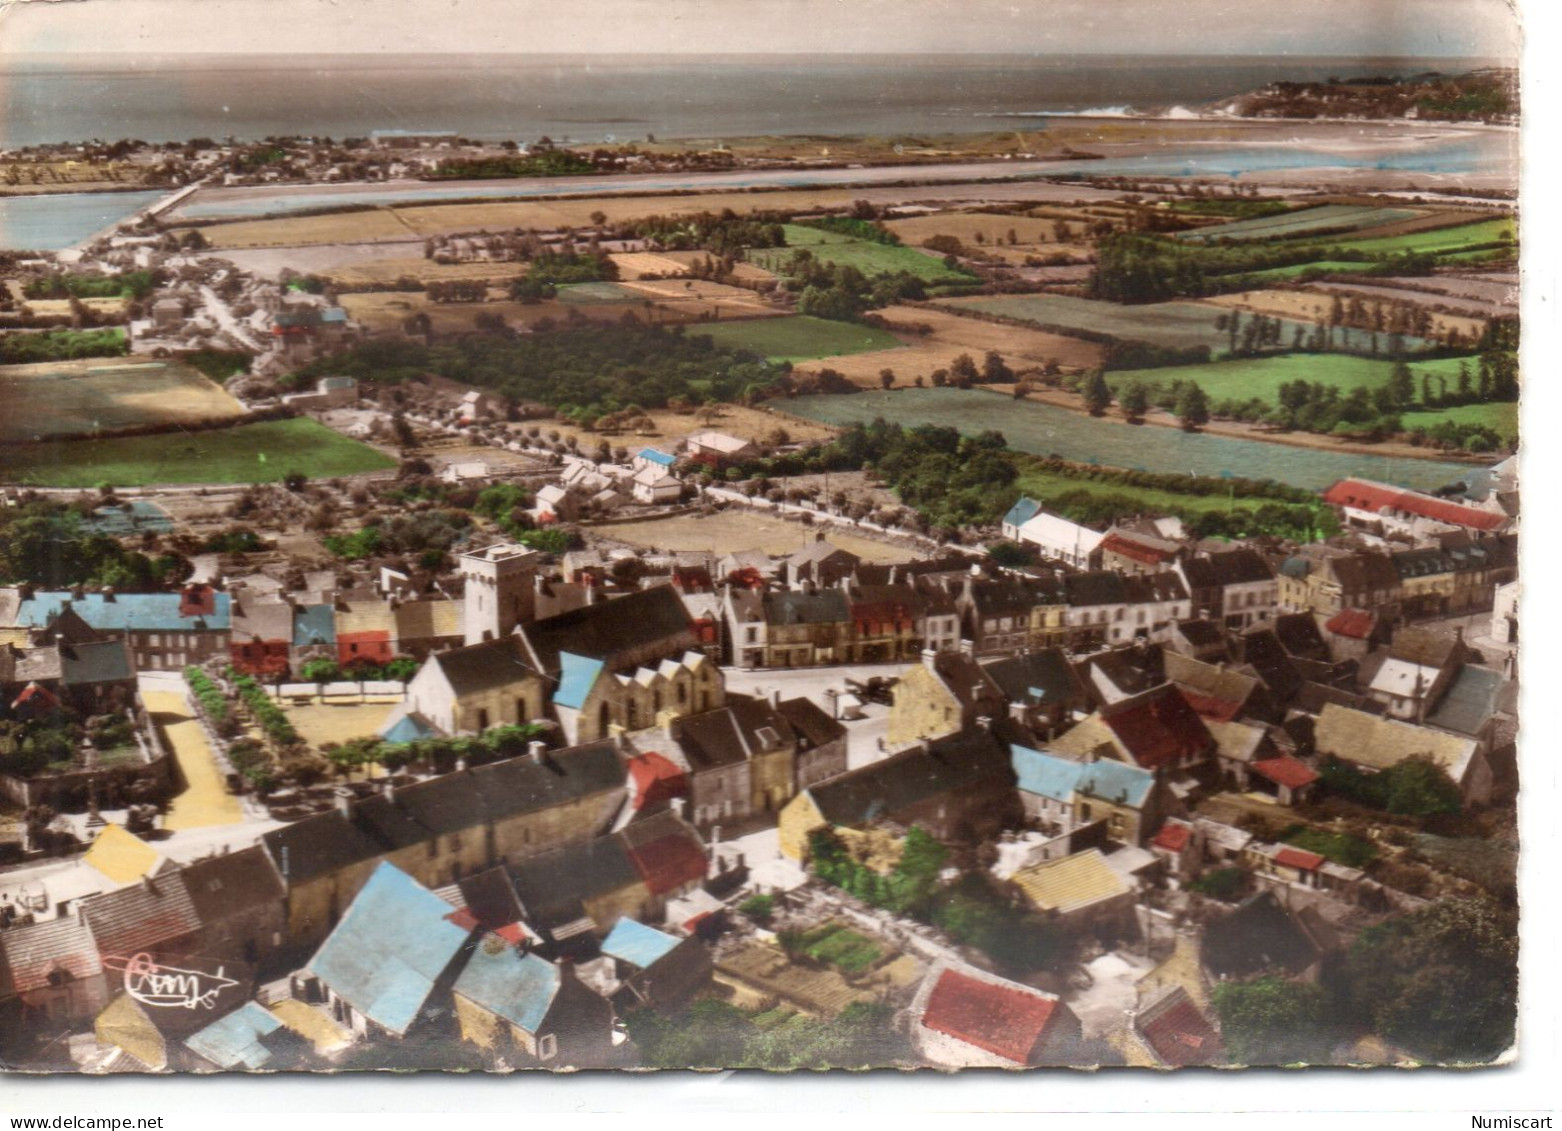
(790, 608)
(232, 883)
(483, 667)
(1470, 701)
(946, 765)
(142, 916)
(609, 628)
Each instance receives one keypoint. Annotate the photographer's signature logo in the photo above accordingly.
(169, 987)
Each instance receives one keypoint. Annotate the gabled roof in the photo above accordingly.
(392, 945)
(637, 944)
(1379, 743)
(237, 1041)
(608, 629)
(1156, 727)
(122, 856)
(1177, 1032)
(656, 778)
(998, 1016)
(1048, 529)
(790, 607)
(1299, 636)
(106, 661)
(1139, 548)
(450, 803)
(315, 624)
(358, 617)
(233, 883)
(740, 730)
(1041, 678)
(1286, 770)
(1021, 512)
(577, 676)
(477, 668)
(259, 619)
(1071, 883)
(1045, 775)
(665, 851)
(818, 550)
(142, 916)
(404, 725)
(655, 456)
(1117, 782)
(808, 720)
(1474, 696)
(1201, 633)
(517, 986)
(132, 612)
(1231, 567)
(33, 955)
(1365, 495)
(1209, 681)
(1100, 587)
(1417, 645)
(946, 766)
(1258, 935)
(1358, 624)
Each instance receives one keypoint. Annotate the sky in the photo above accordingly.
(1360, 28)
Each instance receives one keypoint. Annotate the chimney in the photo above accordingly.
(775, 697)
(108, 593)
(930, 659)
(534, 750)
(344, 801)
(677, 804)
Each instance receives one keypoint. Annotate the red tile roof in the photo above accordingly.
(656, 778)
(1362, 495)
(1286, 770)
(1299, 858)
(1355, 623)
(1179, 1033)
(31, 956)
(1005, 1020)
(1159, 730)
(1209, 707)
(1135, 551)
(1173, 836)
(669, 862)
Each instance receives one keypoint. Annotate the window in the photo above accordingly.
(753, 635)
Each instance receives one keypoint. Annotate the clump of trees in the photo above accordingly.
(52, 544)
(62, 345)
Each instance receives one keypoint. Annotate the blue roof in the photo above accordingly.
(1470, 701)
(577, 674)
(1117, 782)
(1022, 512)
(517, 987)
(333, 314)
(1045, 775)
(314, 624)
(657, 456)
(389, 949)
(126, 612)
(234, 1041)
(637, 944)
(407, 726)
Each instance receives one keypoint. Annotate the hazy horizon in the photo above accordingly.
(1346, 29)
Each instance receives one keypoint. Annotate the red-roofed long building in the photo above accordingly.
(1371, 505)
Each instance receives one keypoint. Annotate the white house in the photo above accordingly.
(1061, 540)
(652, 484)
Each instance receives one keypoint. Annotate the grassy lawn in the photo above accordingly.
(71, 397)
(868, 257)
(1041, 484)
(245, 453)
(844, 949)
(1501, 417)
(801, 338)
(1443, 239)
(1261, 376)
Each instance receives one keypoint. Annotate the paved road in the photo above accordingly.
(227, 321)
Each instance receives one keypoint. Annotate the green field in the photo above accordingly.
(1176, 325)
(1339, 266)
(588, 294)
(245, 453)
(1261, 376)
(1302, 222)
(1441, 240)
(1501, 417)
(868, 257)
(800, 338)
(842, 948)
(64, 398)
(1037, 482)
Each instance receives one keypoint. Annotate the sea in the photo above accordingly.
(585, 99)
